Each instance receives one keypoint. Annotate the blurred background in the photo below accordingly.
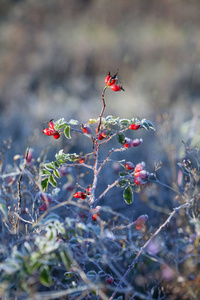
(55, 54)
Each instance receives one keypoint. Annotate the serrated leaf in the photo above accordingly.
(45, 276)
(145, 124)
(56, 173)
(73, 122)
(45, 172)
(121, 138)
(52, 180)
(67, 132)
(151, 125)
(44, 184)
(128, 195)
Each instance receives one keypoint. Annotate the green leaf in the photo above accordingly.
(60, 124)
(151, 125)
(122, 183)
(128, 195)
(50, 166)
(52, 181)
(44, 184)
(45, 276)
(121, 138)
(45, 172)
(65, 259)
(124, 122)
(3, 209)
(56, 173)
(91, 121)
(121, 174)
(67, 132)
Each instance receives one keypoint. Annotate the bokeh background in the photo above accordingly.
(54, 56)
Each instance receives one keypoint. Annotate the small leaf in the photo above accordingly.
(44, 184)
(52, 181)
(145, 124)
(151, 125)
(45, 172)
(91, 121)
(122, 183)
(73, 122)
(124, 122)
(50, 166)
(56, 173)
(121, 138)
(121, 174)
(65, 259)
(128, 195)
(45, 276)
(91, 274)
(67, 132)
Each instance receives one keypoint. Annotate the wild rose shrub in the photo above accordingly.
(71, 246)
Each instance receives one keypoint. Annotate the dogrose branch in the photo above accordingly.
(176, 209)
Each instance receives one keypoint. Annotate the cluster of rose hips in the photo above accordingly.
(128, 143)
(51, 130)
(140, 174)
(83, 195)
(112, 82)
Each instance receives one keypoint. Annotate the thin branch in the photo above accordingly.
(185, 205)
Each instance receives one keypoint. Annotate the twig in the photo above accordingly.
(149, 241)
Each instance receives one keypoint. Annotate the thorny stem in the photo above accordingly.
(96, 147)
(103, 108)
(176, 209)
(106, 190)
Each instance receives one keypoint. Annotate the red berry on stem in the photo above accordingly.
(129, 165)
(86, 129)
(80, 195)
(110, 280)
(143, 174)
(51, 124)
(137, 142)
(81, 160)
(94, 217)
(127, 143)
(43, 207)
(56, 135)
(116, 87)
(109, 80)
(141, 220)
(140, 167)
(137, 180)
(47, 131)
(134, 126)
